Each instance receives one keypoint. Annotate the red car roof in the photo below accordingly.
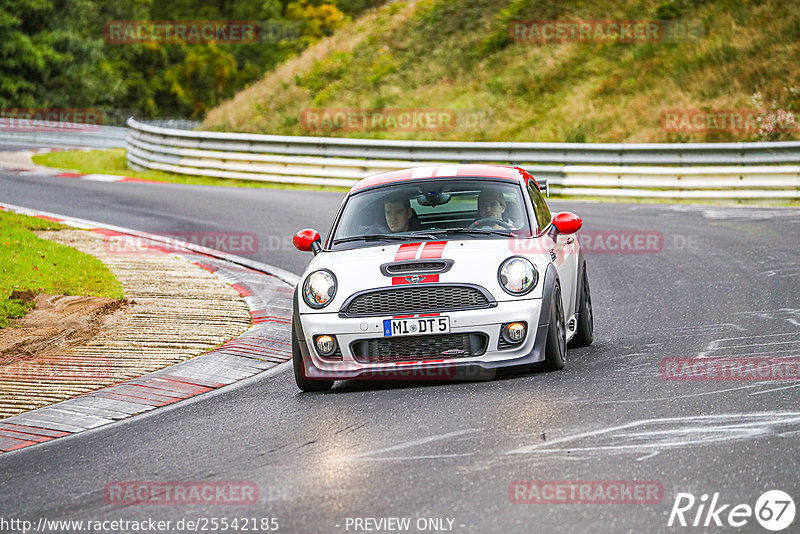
(441, 171)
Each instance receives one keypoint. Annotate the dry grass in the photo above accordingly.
(452, 55)
(249, 111)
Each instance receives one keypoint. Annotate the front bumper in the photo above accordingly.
(486, 321)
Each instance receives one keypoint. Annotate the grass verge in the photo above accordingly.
(30, 263)
(114, 162)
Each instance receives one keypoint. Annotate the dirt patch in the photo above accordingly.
(58, 322)
(23, 296)
(180, 310)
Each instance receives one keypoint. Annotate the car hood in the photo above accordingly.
(474, 261)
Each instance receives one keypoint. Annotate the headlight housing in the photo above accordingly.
(319, 288)
(517, 276)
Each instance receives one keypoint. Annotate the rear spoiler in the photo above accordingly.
(543, 186)
(543, 174)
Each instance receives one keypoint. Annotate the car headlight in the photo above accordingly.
(319, 288)
(517, 275)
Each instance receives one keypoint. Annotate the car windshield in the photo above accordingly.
(430, 209)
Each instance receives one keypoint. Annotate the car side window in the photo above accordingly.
(543, 216)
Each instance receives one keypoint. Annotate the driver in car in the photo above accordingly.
(491, 206)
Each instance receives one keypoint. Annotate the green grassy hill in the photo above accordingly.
(459, 56)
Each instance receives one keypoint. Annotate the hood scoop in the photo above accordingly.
(409, 267)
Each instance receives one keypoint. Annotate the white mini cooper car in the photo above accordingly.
(441, 272)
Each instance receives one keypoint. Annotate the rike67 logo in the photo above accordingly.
(774, 510)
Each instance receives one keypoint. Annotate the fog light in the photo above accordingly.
(326, 345)
(515, 332)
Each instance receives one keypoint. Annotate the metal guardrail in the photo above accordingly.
(76, 135)
(179, 124)
(741, 170)
(510, 153)
(739, 182)
(64, 135)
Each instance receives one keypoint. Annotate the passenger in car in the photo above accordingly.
(398, 213)
(400, 216)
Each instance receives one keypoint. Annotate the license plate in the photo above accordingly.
(417, 326)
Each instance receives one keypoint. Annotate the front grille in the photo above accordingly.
(335, 357)
(502, 344)
(420, 299)
(415, 348)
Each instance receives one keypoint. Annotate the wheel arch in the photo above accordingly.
(297, 327)
(579, 282)
(549, 282)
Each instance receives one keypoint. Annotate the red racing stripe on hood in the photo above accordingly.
(407, 251)
(431, 250)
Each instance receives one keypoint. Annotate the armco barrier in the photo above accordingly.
(50, 134)
(735, 182)
(740, 170)
(707, 170)
(65, 135)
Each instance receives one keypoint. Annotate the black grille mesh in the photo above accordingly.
(417, 300)
(502, 344)
(414, 348)
(336, 356)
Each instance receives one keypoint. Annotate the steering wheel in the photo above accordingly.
(489, 221)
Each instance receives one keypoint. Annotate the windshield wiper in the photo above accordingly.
(384, 237)
(479, 231)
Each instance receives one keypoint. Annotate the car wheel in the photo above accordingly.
(304, 383)
(556, 346)
(584, 334)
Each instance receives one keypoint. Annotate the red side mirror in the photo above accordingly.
(567, 222)
(307, 240)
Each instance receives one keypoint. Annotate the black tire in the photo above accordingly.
(584, 333)
(555, 353)
(304, 383)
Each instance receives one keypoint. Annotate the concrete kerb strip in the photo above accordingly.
(32, 168)
(286, 276)
(267, 290)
